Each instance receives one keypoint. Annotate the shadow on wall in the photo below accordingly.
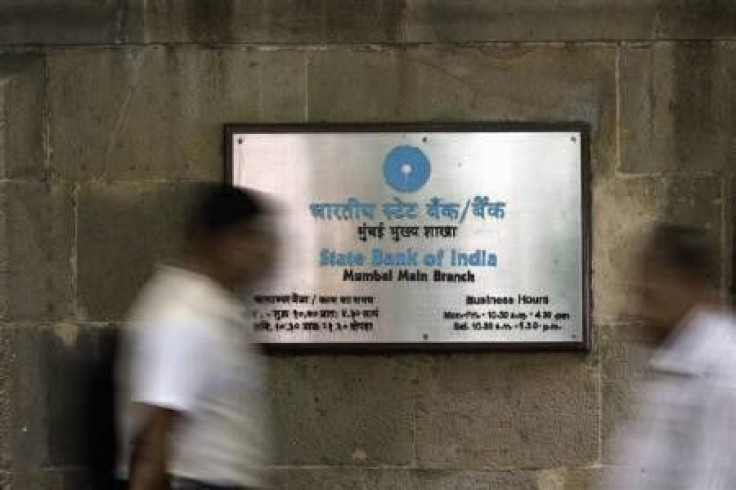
(97, 395)
(63, 403)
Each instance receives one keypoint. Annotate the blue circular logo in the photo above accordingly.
(406, 168)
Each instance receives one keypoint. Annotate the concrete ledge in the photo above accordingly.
(32, 22)
(435, 21)
(24, 22)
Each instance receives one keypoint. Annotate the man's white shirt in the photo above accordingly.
(186, 348)
(684, 436)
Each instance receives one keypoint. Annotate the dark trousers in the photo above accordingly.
(182, 484)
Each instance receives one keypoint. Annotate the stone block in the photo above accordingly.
(678, 109)
(22, 131)
(274, 22)
(28, 397)
(623, 357)
(37, 229)
(158, 113)
(343, 410)
(70, 22)
(61, 397)
(507, 411)
(478, 84)
(124, 229)
(460, 21)
(380, 479)
(623, 212)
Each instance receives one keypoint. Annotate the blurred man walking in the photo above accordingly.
(190, 413)
(685, 434)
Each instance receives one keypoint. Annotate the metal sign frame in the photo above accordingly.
(582, 128)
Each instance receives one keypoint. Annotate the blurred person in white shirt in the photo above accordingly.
(190, 407)
(684, 433)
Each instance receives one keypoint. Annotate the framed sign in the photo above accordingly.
(416, 236)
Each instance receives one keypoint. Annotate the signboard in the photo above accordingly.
(411, 236)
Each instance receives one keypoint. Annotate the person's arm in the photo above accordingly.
(150, 457)
(717, 430)
(168, 374)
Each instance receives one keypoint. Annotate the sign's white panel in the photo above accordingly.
(421, 236)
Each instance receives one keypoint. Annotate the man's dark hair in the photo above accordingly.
(220, 208)
(687, 249)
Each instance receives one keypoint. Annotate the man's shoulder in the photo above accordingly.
(167, 294)
(720, 327)
(720, 331)
(178, 302)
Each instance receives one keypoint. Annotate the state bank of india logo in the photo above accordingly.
(406, 168)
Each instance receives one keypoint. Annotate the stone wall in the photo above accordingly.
(111, 113)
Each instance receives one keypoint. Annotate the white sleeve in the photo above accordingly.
(718, 438)
(169, 366)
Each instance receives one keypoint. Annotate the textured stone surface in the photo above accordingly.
(29, 401)
(274, 21)
(22, 131)
(428, 84)
(61, 393)
(343, 410)
(381, 479)
(541, 20)
(502, 411)
(53, 479)
(700, 202)
(357, 21)
(730, 225)
(623, 357)
(161, 112)
(7, 359)
(37, 222)
(6, 480)
(70, 21)
(438, 21)
(133, 124)
(571, 479)
(124, 229)
(623, 212)
(677, 108)
(193, 91)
